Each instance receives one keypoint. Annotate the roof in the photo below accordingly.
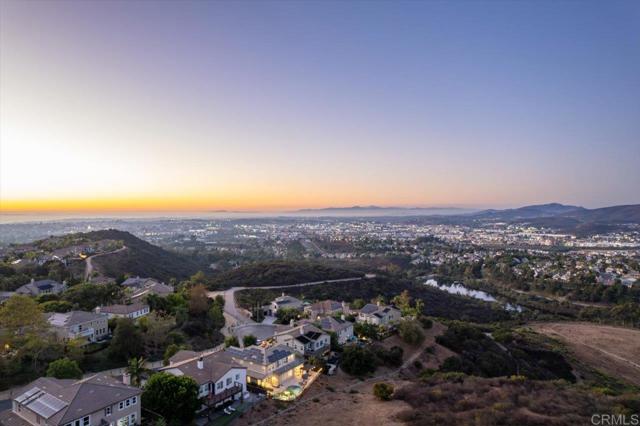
(123, 309)
(138, 282)
(61, 401)
(36, 286)
(182, 355)
(333, 324)
(326, 306)
(214, 366)
(369, 308)
(286, 300)
(71, 318)
(8, 418)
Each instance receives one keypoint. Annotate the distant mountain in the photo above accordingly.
(564, 216)
(384, 211)
(140, 258)
(530, 212)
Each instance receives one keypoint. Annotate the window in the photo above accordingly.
(86, 421)
(237, 377)
(107, 411)
(228, 381)
(134, 400)
(127, 403)
(121, 405)
(219, 385)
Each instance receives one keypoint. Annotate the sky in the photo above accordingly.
(206, 105)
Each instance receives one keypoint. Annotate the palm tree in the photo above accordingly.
(135, 369)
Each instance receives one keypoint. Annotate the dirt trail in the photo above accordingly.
(89, 265)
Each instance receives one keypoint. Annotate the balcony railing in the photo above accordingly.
(213, 399)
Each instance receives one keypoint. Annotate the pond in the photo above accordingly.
(457, 288)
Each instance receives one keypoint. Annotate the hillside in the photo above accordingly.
(140, 258)
(280, 272)
(529, 212)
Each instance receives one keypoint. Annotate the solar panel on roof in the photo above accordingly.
(27, 395)
(47, 405)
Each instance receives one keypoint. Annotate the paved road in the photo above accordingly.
(89, 266)
(235, 316)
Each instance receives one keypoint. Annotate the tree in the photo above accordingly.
(156, 333)
(249, 340)
(357, 304)
(64, 369)
(231, 341)
(127, 341)
(383, 391)
(136, 368)
(21, 316)
(171, 350)
(56, 306)
(411, 332)
(173, 397)
(88, 296)
(198, 300)
(363, 329)
(216, 316)
(285, 315)
(358, 361)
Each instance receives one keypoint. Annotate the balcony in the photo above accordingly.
(214, 399)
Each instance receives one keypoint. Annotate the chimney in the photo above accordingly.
(98, 309)
(378, 303)
(200, 363)
(343, 318)
(283, 294)
(33, 281)
(291, 322)
(126, 378)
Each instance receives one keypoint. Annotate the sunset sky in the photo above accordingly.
(143, 105)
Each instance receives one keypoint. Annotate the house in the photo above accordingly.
(37, 288)
(306, 339)
(378, 314)
(87, 326)
(151, 287)
(133, 311)
(97, 400)
(326, 308)
(271, 368)
(137, 282)
(342, 328)
(282, 302)
(219, 377)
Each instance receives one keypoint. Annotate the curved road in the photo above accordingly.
(234, 316)
(89, 266)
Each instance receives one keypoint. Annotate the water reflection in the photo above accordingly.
(457, 288)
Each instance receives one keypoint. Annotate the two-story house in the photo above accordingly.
(271, 368)
(306, 339)
(342, 328)
(219, 377)
(378, 314)
(96, 401)
(326, 308)
(282, 302)
(86, 326)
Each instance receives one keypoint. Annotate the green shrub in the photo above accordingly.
(383, 391)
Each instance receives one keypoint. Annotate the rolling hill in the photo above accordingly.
(140, 258)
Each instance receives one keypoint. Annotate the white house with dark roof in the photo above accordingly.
(86, 326)
(37, 288)
(378, 314)
(306, 339)
(95, 401)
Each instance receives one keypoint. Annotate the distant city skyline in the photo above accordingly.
(276, 106)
